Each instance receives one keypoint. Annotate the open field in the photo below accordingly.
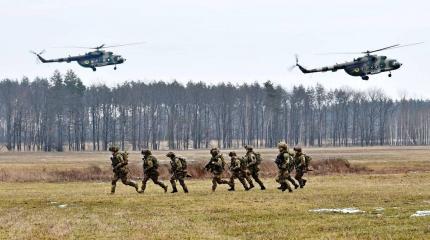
(87, 211)
(394, 185)
(84, 166)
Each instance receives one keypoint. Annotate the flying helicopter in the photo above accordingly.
(368, 64)
(93, 59)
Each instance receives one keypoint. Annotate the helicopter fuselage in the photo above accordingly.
(94, 59)
(371, 64)
(361, 67)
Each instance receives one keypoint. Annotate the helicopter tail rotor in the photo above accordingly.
(39, 57)
(291, 68)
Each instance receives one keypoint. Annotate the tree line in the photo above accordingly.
(60, 113)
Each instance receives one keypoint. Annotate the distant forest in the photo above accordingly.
(61, 114)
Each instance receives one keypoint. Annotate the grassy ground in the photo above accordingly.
(398, 181)
(32, 210)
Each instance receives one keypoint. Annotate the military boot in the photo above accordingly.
(174, 190)
(165, 188)
(135, 185)
(286, 186)
(303, 183)
(263, 187)
(112, 189)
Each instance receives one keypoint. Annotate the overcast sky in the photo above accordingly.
(218, 41)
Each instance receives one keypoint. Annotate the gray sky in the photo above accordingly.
(223, 40)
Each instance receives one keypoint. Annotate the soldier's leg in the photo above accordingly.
(181, 180)
(214, 183)
(248, 179)
(113, 186)
(298, 177)
(282, 180)
(154, 178)
(126, 181)
(290, 179)
(173, 183)
(242, 180)
(233, 176)
(144, 181)
(257, 179)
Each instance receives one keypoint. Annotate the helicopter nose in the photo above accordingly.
(398, 65)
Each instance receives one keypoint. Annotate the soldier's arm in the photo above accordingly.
(120, 160)
(237, 164)
(252, 160)
(302, 160)
(150, 163)
(178, 163)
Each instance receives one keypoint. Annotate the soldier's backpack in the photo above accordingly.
(308, 160)
(243, 163)
(155, 163)
(222, 162)
(125, 157)
(258, 158)
(183, 163)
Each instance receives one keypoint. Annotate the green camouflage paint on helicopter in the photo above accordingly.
(93, 59)
(363, 66)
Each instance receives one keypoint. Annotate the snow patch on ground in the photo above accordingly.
(421, 213)
(62, 205)
(379, 209)
(337, 210)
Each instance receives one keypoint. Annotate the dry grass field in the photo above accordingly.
(394, 183)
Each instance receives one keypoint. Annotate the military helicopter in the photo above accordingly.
(93, 59)
(368, 64)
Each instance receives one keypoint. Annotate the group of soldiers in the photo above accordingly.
(243, 168)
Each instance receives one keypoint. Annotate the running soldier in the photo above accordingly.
(178, 170)
(150, 170)
(253, 161)
(216, 166)
(236, 171)
(120, 169)
(300, 165)
(285, 165)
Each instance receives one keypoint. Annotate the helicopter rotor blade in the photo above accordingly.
(381, 49)
(103, 46)
(121, 45)
(291, 68)
(338, 53)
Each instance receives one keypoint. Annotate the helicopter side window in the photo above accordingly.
(108, 59)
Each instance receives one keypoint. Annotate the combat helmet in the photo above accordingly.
(170, 154)
(113, 149)
(283, 145)
(297, 149)
(248, 147)
(231, 154)
(146, 152)
(214, 151)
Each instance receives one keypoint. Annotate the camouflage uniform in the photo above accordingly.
(299, 164)
(179, 172)
(216, 167)
(150, 171)
(120, 170)
(252, 164)
(236, 171)
(285, 165)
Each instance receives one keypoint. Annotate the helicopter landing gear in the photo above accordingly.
(365, 78)
(389, 75)
(114, 68)
(94, 69)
